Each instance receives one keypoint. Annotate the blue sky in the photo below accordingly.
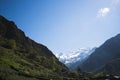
(65, 25)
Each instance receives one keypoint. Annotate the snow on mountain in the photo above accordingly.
(75, 56)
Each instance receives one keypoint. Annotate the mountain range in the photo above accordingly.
(105, 59)
(100, 61)
(73, 59)
(21, 58)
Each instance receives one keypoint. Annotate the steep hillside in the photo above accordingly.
(112, 67)
(109, 51)
(23, 59)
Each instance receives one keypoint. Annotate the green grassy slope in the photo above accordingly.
(23, 59)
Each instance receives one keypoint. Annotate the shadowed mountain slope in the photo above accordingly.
(105, 58)
(23, 59)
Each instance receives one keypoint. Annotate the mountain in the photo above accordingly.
(75, 58)
(112, 67)
(106, 58)
(21, 58)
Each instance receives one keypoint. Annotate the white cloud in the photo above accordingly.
(103, 12)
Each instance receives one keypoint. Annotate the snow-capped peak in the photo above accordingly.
(75, 56)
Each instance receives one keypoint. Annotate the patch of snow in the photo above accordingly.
(75, 56)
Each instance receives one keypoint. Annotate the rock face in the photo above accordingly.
(105, 58)
(23, 59)
(9, 30)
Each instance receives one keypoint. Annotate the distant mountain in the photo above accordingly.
(106, 58)
(75, 58)
(23, 59)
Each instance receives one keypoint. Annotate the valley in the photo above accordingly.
(21, 58)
